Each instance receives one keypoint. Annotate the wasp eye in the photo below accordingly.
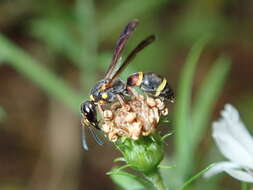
(85, 108)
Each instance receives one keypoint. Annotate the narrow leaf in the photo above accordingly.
(206, 98)
(126, 11)
(182, 108)
(189, 181)
(119, 159)
(129, 181)
(119, 169)
(166, 166)
(33, 70)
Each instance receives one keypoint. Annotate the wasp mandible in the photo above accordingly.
(111, 88)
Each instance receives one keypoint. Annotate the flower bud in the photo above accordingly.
(144, 154)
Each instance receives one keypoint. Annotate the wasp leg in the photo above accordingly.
(101, 110)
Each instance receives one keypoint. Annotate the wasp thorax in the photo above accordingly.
(139, 117)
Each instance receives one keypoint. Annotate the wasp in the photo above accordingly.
(111, 88)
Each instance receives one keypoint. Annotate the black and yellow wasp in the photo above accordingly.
(110, 88)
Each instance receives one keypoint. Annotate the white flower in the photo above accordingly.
(235, 143)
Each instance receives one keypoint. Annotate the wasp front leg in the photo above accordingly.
(101, 110)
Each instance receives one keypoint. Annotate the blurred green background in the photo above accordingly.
(53, 51)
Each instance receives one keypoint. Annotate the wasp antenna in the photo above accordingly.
(84, 142)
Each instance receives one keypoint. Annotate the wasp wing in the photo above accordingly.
(128, 30)
(148, 40)
(97, 139)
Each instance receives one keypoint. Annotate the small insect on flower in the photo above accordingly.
(111, 89)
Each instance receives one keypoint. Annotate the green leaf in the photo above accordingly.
(244, 186)
(56, 33)
(182, 121)
(85, 17)
(189, 181)
(32, 69)
(126, 11)
(129, 181)
(119, 159)
(167, 135)
(206, 98)
(118, 169)
(166, 166)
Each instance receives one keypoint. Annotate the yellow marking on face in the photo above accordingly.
(161, 87)
(140, 75)
(92, 98)
(104, 95)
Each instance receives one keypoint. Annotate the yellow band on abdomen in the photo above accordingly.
(140, 78)
(92, 98)
(161, 87)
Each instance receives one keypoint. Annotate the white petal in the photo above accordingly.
(220, 167)
(231, 147)
(237, 128)
(228, 133)
(240, 175)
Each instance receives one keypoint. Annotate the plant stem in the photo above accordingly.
(155, 178)
(244, 186)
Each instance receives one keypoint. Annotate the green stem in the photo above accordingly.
(155, 178)
(244, 186)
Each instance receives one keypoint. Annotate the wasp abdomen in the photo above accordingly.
(152, 84)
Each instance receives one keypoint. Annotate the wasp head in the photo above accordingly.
(89, 113)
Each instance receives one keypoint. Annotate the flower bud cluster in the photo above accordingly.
(138, 116)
